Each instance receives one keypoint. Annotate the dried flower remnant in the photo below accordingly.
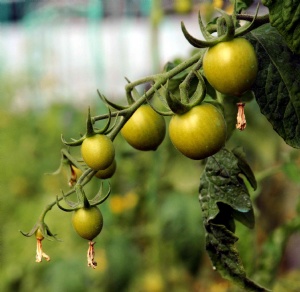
(241, 118)
(39, 250)
(91, 255)
(73, 177)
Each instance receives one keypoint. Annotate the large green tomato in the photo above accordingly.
(87, 222)
(145, 130)
(231, 67)
(98, 151)
(198, 133)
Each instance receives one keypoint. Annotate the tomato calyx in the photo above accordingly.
(210, 40)
(40, 231)
(90, 131)
(82, 200)
(226, 27)
(132, 96)
(185, 103)
(110, 103)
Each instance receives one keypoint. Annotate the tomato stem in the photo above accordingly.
(159, 80)
(258, 21)
(184, 85)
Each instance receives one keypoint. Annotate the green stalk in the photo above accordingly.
(159, 80)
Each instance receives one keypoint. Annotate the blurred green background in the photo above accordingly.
(53, 58)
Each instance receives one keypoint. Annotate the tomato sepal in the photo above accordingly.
(110, 103)
(41, 230)
(82, 201)
(211, 41)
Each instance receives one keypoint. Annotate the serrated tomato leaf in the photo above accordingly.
(220, 245)
(277, 86)
(285, 17)
(244, 166)
(224, 197)
(221, 183)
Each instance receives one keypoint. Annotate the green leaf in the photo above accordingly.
(277, 86)
(242, 4)
(225, 257)
(285, 17)
(244, 166)
(221, 183)
(223, 198)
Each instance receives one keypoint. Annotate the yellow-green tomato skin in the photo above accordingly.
(87, 222)
(231, 67)
(145, 130)
(107, 172)
(98, 151)
(198, 133)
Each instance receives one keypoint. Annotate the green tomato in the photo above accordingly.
(107, 172)
(198, 133)
(87, 222)
(231, 67)
(98, 151)
(145, 130)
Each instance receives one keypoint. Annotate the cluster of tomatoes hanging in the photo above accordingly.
(197, 127)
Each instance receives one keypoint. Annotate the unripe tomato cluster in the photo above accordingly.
(197, 128)
(201, 131)
(197, 134)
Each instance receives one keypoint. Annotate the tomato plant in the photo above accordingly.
(145, 130)
(231, 66)
(87, 222)
(199, 133)
(98, 151)
(238, 59)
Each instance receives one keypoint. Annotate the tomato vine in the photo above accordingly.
(183, 89)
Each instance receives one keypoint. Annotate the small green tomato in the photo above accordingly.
(88, 222)
(98, 151)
